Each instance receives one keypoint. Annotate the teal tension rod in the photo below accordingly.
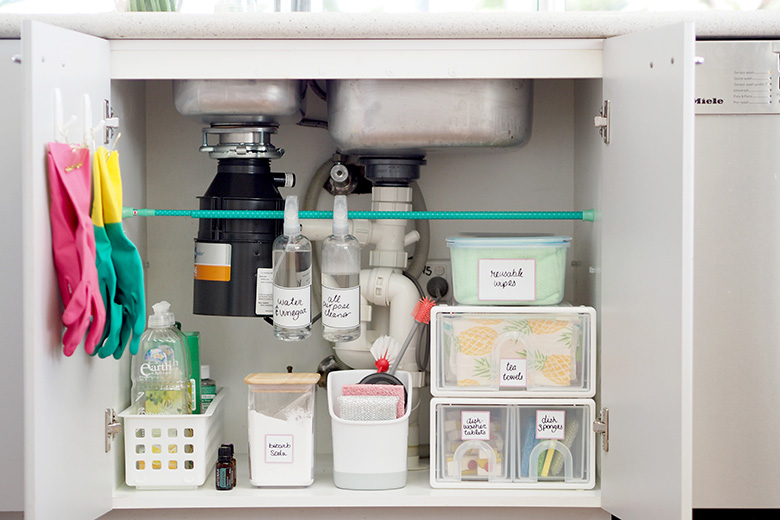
(586, 215)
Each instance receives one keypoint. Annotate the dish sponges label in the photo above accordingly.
(551, 424)
(512, 373)
(475, 425)
(506, 279)
(279, 448)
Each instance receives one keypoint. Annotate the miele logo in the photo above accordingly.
(708, 101)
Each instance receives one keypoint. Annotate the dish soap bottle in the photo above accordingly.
(340, 279)
(291, 260)
(160, 381)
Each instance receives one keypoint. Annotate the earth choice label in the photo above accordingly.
(502, 279)
(551, 424)
(279, 448)
(475, 425)
(512, 373)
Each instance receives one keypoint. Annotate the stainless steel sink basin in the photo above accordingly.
(401, 117)
(238, 100)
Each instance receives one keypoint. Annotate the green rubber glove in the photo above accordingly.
(105, 266)
(126, 260)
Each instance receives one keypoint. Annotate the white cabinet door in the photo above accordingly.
(647, 274)
(68, 475)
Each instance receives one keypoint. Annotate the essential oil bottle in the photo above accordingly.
(225, 477)
(340, 279)
(292, 259)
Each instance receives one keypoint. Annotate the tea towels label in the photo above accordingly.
(512, 373)
(551, 424)
(502, 279)
(475, 425)
(279, 448)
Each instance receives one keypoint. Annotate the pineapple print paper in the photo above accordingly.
(474, 346)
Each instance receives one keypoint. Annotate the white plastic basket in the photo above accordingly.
(172, 451)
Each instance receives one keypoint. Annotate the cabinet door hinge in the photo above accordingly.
(601, 122)
(110, 120)
(602, 426)
(112, 428)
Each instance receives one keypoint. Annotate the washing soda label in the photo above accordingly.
(341, 307)
(506, 279)
(551, 424)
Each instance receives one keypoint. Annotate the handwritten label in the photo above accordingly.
(475, 425)
(279, 448)
(512, 373)
(341, 307)
(264, 301)
(550, 424)
(292, 306)
(503, 279)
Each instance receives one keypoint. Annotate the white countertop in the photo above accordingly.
(709, 25)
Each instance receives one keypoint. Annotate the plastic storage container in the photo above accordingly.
(508, 270)
(367, 454)
(473, 442)
(513, 351)
(529, 444)
(172, 451)
(281, 429)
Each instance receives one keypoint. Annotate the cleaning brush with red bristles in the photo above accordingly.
(422, 316)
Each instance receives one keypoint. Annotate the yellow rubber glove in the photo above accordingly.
(126, 260)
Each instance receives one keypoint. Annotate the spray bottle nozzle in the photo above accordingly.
(340, 221)
(291, 225)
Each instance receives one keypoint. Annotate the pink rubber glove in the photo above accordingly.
(73, 246)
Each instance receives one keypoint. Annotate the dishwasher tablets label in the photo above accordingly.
(551, 424)
(475, 425)
(506, 279)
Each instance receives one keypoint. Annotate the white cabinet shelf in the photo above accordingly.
(323, 493)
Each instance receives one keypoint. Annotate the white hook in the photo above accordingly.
(60, 127)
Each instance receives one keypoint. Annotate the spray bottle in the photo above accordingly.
(340, 279)
(160, 371)
(292, 278)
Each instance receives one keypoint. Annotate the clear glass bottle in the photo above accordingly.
(292, 259)
(340, 279)
(160, 370)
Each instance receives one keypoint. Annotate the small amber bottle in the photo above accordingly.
(225, 477)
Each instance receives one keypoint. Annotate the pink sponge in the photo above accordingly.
(391, 390)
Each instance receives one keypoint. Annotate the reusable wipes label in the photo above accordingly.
(341, 307)
(513, 373)
(279, 449)
(212, 262)
(264, 301)
(506, 279)
(475, 425)
(292, 306)
(551, 424)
